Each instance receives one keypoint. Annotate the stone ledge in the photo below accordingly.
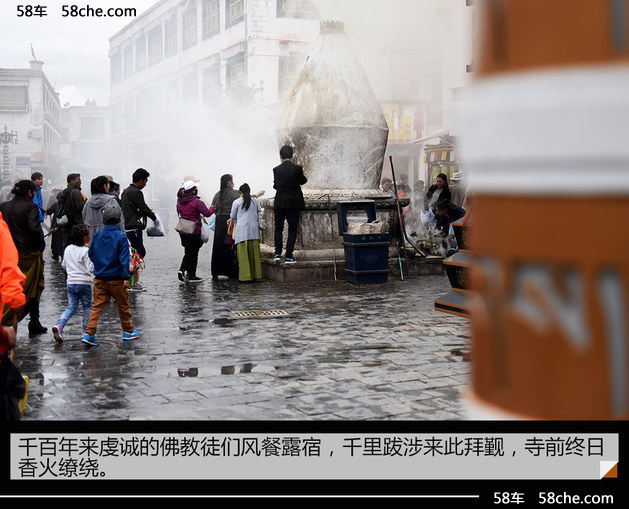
(323, 270)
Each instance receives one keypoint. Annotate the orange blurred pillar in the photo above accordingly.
(545, 142)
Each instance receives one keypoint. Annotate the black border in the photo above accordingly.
(264, 489)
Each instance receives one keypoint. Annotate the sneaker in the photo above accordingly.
(195, 279)
(181, 276)
(89, 340)
(57, 332)
(289, 259)
(277, 258)
(137, 288)
(128, 336)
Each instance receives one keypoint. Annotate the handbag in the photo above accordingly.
(185, 226)
(205, 232)
(229, 237)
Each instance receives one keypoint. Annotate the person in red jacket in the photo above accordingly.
(12, 296)
(11, 277)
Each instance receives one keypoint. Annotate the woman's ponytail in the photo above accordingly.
(246, 196)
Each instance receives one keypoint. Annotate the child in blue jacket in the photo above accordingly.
(109, 251)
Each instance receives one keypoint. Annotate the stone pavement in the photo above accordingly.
(339, 352)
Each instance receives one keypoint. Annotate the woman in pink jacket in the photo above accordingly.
(190, 207)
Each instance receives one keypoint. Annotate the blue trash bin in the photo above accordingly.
(367, 257)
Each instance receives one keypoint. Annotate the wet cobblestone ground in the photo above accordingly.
(341, 352)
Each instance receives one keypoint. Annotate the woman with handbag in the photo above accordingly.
(190, 209)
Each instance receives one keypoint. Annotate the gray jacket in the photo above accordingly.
(93, 212)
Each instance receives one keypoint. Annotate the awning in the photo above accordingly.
(436, 134)
(440, 154)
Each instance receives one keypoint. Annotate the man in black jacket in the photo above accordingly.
(135, 210)
(71, 202)
(289, 201)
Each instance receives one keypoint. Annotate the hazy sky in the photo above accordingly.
(74, 49)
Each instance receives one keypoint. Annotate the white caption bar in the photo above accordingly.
(240, 456)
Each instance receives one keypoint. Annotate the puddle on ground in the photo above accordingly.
(188, 372)
(247, 367)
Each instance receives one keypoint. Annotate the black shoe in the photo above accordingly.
(34, 327)
(195, 279)
(181, 276)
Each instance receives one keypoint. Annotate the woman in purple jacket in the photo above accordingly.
(190, 207)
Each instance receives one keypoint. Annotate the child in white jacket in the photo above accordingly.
(79, 271)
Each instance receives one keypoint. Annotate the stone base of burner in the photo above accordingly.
(332, 269)
(319, 225)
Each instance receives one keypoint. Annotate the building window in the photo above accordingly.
(212, 84)
(13, 98)
(236, 72)
(140, 54)
(234, 12)
(211, 18)
(116, 67)
(170, 44)
(289, 69)
(296, 9)
(189, 28)
(155, 45)
(127, 62)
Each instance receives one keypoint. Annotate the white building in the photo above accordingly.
(195, 84)
(30, 107)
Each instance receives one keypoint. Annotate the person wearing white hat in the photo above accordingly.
(191, 209)
(458, 190)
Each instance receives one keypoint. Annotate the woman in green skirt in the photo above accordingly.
(244, 216)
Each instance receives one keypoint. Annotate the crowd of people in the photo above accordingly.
(431, 210)
(94, 238)
(97, 238)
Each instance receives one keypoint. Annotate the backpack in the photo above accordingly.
(63, 211)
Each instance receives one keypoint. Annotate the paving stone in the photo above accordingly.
(345, 351)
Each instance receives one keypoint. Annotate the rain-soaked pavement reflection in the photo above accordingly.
(223, 350)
